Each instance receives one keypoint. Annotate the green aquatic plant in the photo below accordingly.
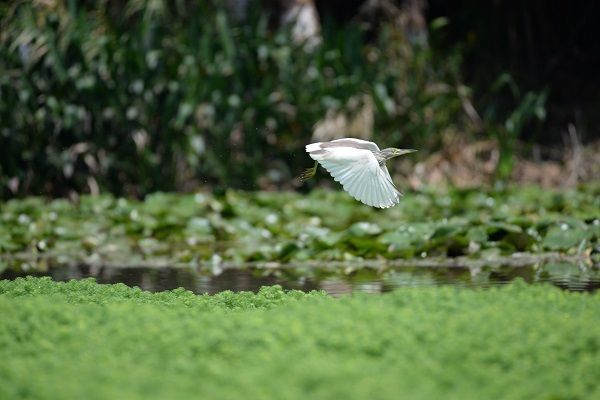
(80, 339)
(168, 229)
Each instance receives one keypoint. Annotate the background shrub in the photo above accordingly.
(153, 95)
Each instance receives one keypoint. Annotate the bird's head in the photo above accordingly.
(393, 152)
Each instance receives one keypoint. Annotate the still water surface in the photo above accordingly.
(336, 281)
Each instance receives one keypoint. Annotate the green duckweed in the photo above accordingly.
(84, 340)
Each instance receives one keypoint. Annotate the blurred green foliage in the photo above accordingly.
(84, 340)
(242, 227)
(138, 96)
(530, 112)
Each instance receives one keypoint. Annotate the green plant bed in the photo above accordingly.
(241, 227)
(84, 340)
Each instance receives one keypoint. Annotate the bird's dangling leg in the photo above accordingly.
(308, 173)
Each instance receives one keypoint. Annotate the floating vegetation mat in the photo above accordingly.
(260, 227)
(84, 340)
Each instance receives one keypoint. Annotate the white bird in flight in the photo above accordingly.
(359, 166)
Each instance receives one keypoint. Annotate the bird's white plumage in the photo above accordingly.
(352, 163)
(363, 143)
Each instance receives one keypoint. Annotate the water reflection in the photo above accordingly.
(334, 281)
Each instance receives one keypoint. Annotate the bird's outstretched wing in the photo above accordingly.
(353, 142)
(358, 171)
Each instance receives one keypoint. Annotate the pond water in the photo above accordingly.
(336, 280)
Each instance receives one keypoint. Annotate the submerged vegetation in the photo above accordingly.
(84, 340)
(244, 227)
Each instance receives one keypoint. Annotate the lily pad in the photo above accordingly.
(519, 240)
(564, 237)
(362, 229)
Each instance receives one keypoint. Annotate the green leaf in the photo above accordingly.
(561, 270)
(362, 229)
(521, 241)
(564, 237)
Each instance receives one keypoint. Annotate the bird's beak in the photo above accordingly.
(401, 152)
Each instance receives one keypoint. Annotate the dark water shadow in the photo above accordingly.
(336, 281)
